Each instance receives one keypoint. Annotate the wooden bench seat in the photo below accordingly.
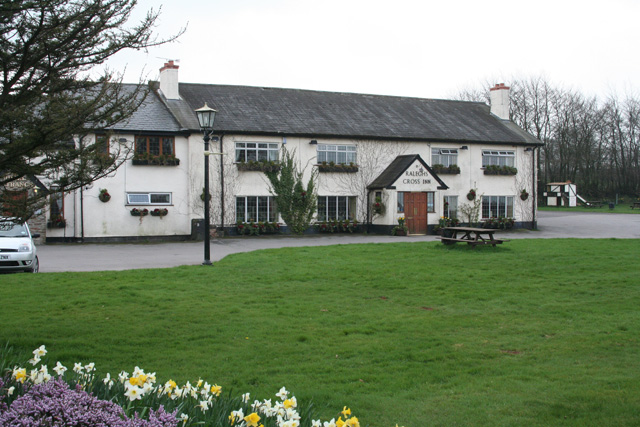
(472, 242)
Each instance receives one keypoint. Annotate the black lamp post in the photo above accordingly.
(206, 116)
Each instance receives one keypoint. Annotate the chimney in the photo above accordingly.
(500, 101)
(169, 80)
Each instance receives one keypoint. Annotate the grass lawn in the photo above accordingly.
(622, 208)
(534, 332)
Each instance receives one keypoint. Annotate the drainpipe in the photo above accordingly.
(82, 214)
(534, 191)
(221, 184)
(368, 211)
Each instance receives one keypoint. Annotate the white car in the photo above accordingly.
(17, 251)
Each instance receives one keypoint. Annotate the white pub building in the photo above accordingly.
(419, 158)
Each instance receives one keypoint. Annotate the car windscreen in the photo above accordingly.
(11, 229)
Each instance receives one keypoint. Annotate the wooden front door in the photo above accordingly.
(415, 212)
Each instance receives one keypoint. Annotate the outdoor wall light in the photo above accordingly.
(313, 142)
(464, 147)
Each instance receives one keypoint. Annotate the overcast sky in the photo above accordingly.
(427, 48)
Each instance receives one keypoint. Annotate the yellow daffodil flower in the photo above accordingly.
(20, 374)
(216, 389)
(252, 419)
(339, 423)
(346, 412)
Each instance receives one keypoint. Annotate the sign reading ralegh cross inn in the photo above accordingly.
(415, 178)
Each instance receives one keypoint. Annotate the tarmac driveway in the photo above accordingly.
(121, 256)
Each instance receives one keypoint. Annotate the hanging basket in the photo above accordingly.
(524, 195)
(471, 195)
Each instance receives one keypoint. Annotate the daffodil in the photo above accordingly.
(252, 419)
(39, 352)
(346, 412)
(35, 360)
(78, 368)
(10, 390)
(20, 374)
(339, 423)
(352, 422)
(245, 397)
(133, 393)
(90, 367)
(290, 403)
(331, 423)
(282, 394)
(60, 369)
(216, 389)
(204, 405)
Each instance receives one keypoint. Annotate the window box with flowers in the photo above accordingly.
(159, 212)
(147, 159)
(446, 170)
(338, 167)
(57, 222)
(258, 166)
(139, 212)
(500, 170)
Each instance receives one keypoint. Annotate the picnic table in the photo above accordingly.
(470, 235)
(635, 205)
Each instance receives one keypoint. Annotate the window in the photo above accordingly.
(497, 206)
(450, 206)
(149, 198)
(256, 209)
(338, 154)
(431, 205)
(498, 158)
(444, 156)
(102, 142)
(56, 205)
(256, 152)
(336, 207)
(155, 145)
(400, 202)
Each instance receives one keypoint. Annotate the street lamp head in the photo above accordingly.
(206, 116)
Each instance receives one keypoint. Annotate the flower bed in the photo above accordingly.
(33, 398)
(257, 228)
(500, 223)
(337, 226)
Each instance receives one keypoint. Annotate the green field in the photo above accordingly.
(534, 332)
(622, 208)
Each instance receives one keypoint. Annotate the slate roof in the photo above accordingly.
(152, 116)
(296, 112)
(397, 167)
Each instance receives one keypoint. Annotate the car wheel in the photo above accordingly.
(36, 266)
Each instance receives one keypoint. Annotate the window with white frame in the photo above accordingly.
(338, 154)
(336, 208)
(450, 206)
(400, 195)
(256, 209)
(256, 152)
(444, 156)
(497, 206)
(149, 198)
(498, 158)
